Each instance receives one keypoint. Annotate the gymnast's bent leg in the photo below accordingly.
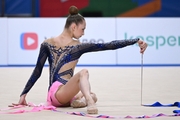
(79, 82)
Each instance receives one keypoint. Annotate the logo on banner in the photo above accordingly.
(29, 41)
(64, 1)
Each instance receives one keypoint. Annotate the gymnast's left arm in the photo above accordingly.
(116, 44)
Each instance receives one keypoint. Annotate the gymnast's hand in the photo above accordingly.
(142, 45)
(22, 101)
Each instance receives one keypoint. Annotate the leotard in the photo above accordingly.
(62, 61)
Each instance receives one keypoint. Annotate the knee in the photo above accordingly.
(84, 72)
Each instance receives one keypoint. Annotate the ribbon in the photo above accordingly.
(158, 104)
(125, 117)
(40, 107)
(35, 108)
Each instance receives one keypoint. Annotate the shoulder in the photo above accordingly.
(76, 42)
(49, 41)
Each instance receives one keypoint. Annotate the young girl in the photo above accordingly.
(63, 52)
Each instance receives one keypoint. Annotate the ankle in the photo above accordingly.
(90, 101)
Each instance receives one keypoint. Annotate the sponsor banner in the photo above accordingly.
(26, 35)
(161, 34)
(4, 41)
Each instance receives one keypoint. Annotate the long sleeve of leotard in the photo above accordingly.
(92, 47)
(37, 70)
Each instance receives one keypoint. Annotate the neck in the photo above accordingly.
(66, 34)
(64, 38)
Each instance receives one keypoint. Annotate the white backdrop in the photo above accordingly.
(3, 41)
(162, 35)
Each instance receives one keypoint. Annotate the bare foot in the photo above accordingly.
(79, 103)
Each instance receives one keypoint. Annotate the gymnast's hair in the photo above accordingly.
(74, 17)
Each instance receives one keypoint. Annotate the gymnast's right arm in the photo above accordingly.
(35, 75)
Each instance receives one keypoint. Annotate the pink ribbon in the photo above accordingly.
(36, 108)
(40, 107)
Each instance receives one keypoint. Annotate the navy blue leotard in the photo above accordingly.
(62, 61)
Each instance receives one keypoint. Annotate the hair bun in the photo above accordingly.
(73, 10)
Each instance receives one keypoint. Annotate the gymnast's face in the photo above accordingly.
(78, 30)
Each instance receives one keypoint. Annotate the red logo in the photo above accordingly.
(29, 41)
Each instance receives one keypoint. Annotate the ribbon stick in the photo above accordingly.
(141, 78)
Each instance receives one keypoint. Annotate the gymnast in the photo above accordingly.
(65, 88)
